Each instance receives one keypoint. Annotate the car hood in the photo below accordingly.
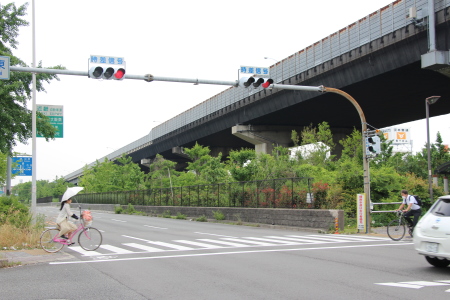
(435, 226)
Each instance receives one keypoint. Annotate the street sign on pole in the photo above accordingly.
(4, 67)
(22, 166)
(56, 115)
(259, 71)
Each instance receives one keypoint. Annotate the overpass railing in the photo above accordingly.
(274, 193)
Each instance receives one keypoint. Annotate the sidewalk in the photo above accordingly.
(26, 257)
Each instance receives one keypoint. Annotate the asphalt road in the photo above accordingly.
(158, 258)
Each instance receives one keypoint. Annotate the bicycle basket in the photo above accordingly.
(87, 218)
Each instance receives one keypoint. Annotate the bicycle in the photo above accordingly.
(89, 238)
(397, 228)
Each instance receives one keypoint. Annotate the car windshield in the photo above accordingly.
(442, 208)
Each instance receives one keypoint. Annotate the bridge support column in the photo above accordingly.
(264, 137)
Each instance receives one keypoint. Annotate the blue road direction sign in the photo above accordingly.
(4, 67)
(22, 166)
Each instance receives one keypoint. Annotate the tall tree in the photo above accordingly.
(15, 117)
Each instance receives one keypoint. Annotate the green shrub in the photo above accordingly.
(218, 215)
(14, 213)
(202, 219)
(118, 209)
(166, 214)
(130, 209)
(181, 216)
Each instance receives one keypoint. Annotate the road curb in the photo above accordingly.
(27, 257)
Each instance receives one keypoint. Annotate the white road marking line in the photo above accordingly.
(298, 240)
(348, 237)
(144, 247)
(224, 253)
(154, 227)
(425, 283)
(84, 252)
(135, 238)
(168, 245)
(404, 285)
(214, 234)
(414, 284)
(241, 240)
(119, 220)
(225, 243)
(271, 240)
(328, 239)
(115, 249)
(209, 246)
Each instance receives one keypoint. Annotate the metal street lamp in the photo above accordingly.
(282, 66)
(428, 102)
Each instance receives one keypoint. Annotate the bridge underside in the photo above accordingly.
(388, 83)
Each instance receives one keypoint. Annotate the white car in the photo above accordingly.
(432, 233)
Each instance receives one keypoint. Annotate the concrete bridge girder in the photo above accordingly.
(264, 137)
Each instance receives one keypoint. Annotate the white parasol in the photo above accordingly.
(70, 192)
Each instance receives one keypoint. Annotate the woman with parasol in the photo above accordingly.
(65, 226)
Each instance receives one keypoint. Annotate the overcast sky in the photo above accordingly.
(178, 38)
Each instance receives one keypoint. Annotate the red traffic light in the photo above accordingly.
(120, 73)
(267, 83)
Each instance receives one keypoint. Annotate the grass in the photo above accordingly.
(180, 216)
(13, 237)
(166, 214)
(202, 219)
(218, 215)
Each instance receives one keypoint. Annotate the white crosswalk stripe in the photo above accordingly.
(142, 245)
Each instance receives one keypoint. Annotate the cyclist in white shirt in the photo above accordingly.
(411, 210)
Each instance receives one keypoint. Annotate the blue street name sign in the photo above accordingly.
(4, 67)
(22, 166)
(110, 60)
(254, 70)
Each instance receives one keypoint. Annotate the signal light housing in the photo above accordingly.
(373, 145)
(256, 82)
(107, 72)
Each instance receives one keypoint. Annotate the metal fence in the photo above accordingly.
(274, 193)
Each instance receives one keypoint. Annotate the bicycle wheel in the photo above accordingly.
(90, 239)
(396, 230)
(47, 242)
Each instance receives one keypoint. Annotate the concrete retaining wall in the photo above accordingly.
(305, 218)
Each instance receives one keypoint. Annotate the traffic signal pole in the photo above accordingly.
(235, 83)
(147, 77)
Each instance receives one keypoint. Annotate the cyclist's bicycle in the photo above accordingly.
(397, 228)
(89, 237)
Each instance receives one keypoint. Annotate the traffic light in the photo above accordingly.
(107, 72)
(373, 145)
(256, 82)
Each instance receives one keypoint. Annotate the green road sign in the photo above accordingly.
(56, 115)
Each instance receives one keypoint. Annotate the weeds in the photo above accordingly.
(202, 219)
(180, 216)
(218, 215)
(130, 209)
(166, 214)
(118, 209)
(26, 236)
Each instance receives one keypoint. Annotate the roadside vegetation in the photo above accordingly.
(337, 180)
